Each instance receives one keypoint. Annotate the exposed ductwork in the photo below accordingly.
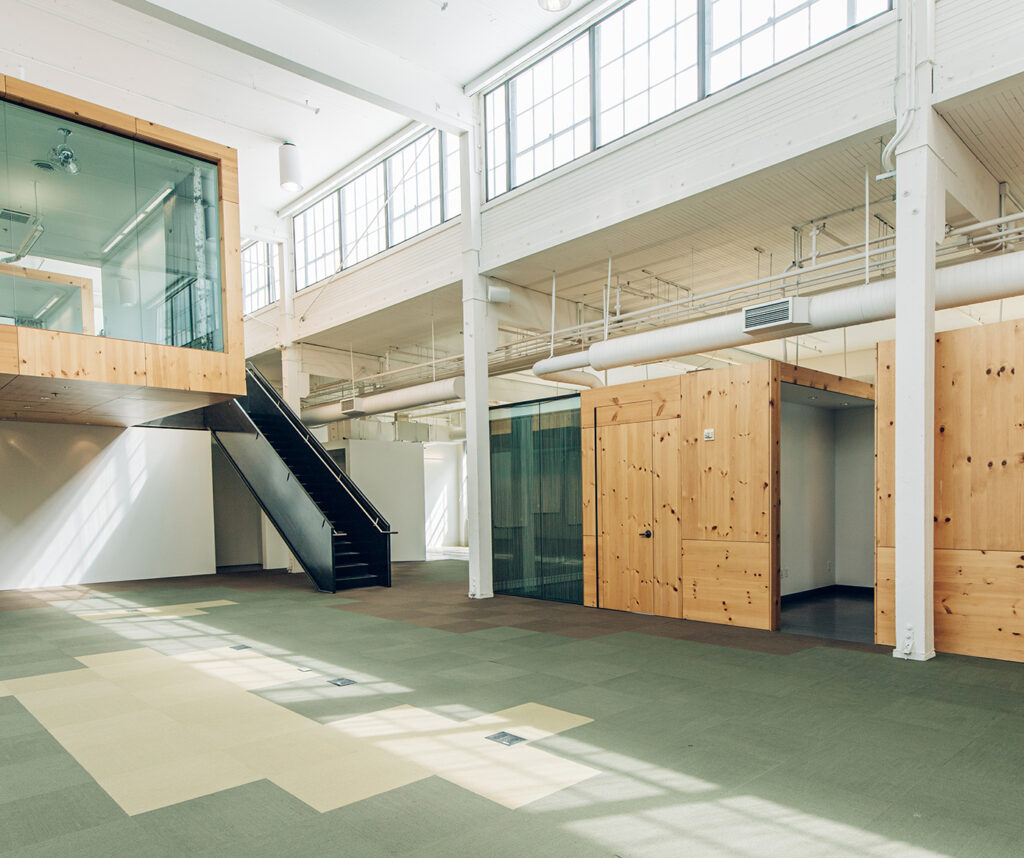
(967, 283)
(573, 376)
(446, 390)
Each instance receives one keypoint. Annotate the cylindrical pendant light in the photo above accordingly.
(290, 168)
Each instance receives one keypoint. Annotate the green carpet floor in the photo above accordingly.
(704, 750)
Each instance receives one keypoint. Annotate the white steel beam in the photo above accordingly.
(300, 44)
(969, 184)
(920, 200)
(475, 345)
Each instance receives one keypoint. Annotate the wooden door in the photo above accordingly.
(625, 507)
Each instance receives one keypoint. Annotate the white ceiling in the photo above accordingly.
(106, 53)
(459, 38)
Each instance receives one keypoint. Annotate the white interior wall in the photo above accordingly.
(807, 462)
(442, 467)
(391, 476)
(276, 554)
(86, 504)
(855, 496)
(237, 521)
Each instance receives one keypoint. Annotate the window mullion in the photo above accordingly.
(387, 203)
(509, 133)
(594, 95)
(702, 48)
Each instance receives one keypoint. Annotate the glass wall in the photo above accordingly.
(416, 188)
(101, 234)
(537, 499)
(644, 61)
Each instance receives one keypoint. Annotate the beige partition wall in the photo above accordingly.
(681, 492)
(730, 495)
(979, 492)
(64, 377)
(680, 496)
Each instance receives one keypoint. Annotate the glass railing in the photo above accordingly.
(101, 234)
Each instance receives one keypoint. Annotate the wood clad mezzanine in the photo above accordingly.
(78, 378)
(711, 506)
(979, 492)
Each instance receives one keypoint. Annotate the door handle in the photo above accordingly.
(646, 534)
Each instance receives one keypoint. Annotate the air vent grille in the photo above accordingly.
(775, 314)
(14, 216)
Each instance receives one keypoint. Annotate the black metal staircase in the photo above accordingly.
(339, 537)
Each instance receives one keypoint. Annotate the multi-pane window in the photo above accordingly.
(452, 175)
(259, 275)
(364, 222)
(414, 188)
(646, 64)
(317, 242)
(496, 141)
(650, 58)
(746, 36)
(549, 105)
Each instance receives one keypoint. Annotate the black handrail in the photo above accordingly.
(353, 491)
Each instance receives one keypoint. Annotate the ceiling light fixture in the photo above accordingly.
(290, 167)
(135, 221)
(554, 5)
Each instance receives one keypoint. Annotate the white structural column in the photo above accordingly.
(475, 347)
(920, 219)
(294, 382)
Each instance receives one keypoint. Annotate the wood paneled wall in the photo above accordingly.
(730, 495)
(979, 492)
(76, 358)
(715, 503)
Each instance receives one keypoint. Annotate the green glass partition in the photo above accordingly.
(102, 234)
(537, 500)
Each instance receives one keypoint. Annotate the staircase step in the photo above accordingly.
(358, 581)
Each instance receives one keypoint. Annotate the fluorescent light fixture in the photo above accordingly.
(46, 309)
(290, 168)
(554, 5)
(139, 218)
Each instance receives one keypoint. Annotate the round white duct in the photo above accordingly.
(573, 376)
(445, 390)
(576, 360)
(968, 283)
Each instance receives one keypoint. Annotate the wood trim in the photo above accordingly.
(885, 596)
(227, 175)
(3, 85)
(59, 104)
(56, 354)
(9, 363)
(775, 497)
(45, 276)
(634, 412)
(727, 582)
(663, 393)
(590, 571)
(179, 141)
(824, 381)
(231, 296)
(189, 369)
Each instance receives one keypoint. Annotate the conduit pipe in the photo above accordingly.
(967, 283)
(445, 390)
